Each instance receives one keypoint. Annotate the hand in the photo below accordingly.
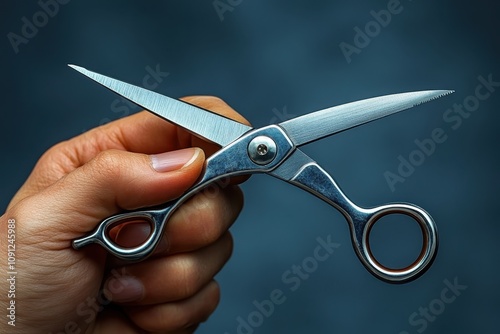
(76, 184)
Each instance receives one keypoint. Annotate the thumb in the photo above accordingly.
(113, 181)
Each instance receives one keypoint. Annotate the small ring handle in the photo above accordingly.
(101, 234)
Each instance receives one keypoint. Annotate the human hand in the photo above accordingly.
(79, 182)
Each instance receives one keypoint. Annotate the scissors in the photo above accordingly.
(272, 150)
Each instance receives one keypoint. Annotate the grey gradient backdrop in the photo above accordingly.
(272, 60)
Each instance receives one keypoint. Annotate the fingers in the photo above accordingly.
(111, 182)
(168, 279)
(171, 294)
(197, 223)
(147, 133)
(84, 180)
(216, 105)
(168, 291)
(183, 314)
(208, 217)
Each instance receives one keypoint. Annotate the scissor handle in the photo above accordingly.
(101, 235)
(227, 162)
(317, 181)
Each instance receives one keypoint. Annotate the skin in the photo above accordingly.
(78, 183)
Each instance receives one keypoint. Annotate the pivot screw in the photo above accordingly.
(262, 150)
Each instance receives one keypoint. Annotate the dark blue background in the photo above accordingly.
(276, 59)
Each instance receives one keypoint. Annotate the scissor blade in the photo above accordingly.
(201, 122)
(326, 122)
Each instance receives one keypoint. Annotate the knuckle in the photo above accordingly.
(106, 164)
(55, 155)
(205, 213)
(212, 212)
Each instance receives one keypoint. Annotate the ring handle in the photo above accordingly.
(101, 234)
(318, 182)
(362, 227)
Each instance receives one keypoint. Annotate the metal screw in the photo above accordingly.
(262, 150)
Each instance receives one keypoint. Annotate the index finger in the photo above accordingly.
(146, 133)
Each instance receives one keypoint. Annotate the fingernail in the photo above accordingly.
(125, 289)
(169, 161)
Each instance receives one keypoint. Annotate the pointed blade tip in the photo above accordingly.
(77, 68)
(353, 114)
(175, 111)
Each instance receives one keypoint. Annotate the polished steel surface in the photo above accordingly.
(200, 122)
(302, 171)
(273, 150)
(326, 122)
